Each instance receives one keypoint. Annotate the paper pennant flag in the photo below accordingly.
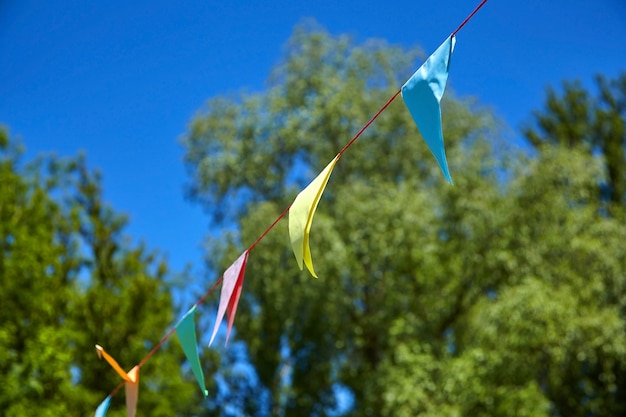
(186, 331)
(132, 392)
(102, 409)
(232, 285)
(301, 216)
(422, 95)
(131, 382)
(102, 354)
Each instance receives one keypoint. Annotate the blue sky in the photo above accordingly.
(121, 80)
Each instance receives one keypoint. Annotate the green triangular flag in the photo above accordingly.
(186, 331)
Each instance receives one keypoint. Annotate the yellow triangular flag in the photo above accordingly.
(301, 216)
(102, 354)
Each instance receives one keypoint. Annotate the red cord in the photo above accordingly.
(467, 19)
(392, 98)
(284, 213)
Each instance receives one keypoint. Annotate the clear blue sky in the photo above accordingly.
(122, 79)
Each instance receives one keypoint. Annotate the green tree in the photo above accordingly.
(70, 278)
(35, 298)
(502, 295)
(594, 123)
(549, 339)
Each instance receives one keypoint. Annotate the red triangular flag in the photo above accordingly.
(231, 292)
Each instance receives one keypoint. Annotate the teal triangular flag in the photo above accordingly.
(422, 95)
(186, 331)
(101, 411)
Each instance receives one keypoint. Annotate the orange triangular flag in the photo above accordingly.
(102, 354)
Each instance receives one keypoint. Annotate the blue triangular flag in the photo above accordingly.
(101, 411)
(186, 331)
(422, 94)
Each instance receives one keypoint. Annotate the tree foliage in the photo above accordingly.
(70, 278)
(596, 124)
(502, 295)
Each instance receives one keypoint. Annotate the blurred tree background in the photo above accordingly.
(503, 295)
(70, 278)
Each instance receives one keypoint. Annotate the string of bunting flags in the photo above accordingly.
(422, 94)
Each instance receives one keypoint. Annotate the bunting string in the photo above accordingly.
(173, 329)
(167, 336)
(232, 303)
(341, 152)
(467, 19)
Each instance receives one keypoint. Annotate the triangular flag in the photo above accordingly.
(422, 95)
(301, 216)
(232, 285)
(102, 354)
(186, 331)
(132, 392)
(102, 409)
